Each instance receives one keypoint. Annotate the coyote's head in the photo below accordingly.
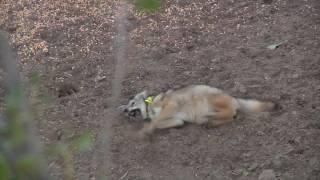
(137, 104)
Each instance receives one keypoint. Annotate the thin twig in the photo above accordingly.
(125, 175)
(104, 137)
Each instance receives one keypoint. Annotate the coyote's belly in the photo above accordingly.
(194, 109)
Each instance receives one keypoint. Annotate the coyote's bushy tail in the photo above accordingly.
(252, 105)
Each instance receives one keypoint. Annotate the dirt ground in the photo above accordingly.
(222, 43)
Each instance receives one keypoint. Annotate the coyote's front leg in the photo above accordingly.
(164, 120)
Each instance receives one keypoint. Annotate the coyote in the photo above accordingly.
(199, 104)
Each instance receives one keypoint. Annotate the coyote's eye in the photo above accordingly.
(132, 103)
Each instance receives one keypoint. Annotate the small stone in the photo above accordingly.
(245, 173)
(240, 87)
(314, 162)
(267, 77)
(260, 133)
(276, 162)
(187, 73)
(59, 134)
(92, 177)
(246, 155)
(253, 167)
(267, 174)
(45, 50)
(163, 46)
(236, 172)
(99, 78)
(295, 75)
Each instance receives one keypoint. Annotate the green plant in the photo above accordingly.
(147, 5)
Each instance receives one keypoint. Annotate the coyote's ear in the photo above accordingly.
(143, 95)
(158, 97)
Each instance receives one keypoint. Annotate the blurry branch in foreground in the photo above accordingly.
(20, 151)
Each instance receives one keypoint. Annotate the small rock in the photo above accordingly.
(276, 162)
(246, 155)
(59, 134)
(266, 164)
(314, 162)
(240, 87)
(214, 60)
(187, 73)
(99, 78)
(295, 76)
(45, 50)
(163, 46)
(236, 172)
(260, 133)
(245, 173)
(267, 77)
(253, 167)
(267, 174)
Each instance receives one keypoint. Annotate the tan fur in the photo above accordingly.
(197, 104)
